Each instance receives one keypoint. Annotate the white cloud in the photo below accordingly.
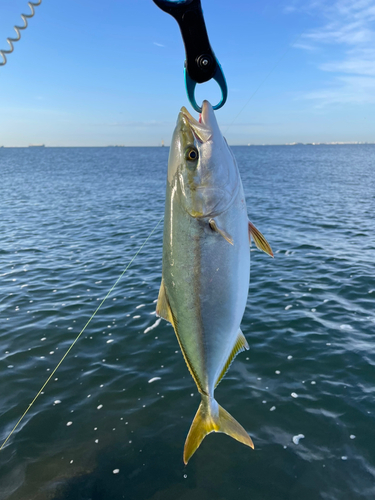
(348, 26)
(304, 46)
(347, 90)
(356, 63)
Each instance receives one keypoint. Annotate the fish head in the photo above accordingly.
(201, 166)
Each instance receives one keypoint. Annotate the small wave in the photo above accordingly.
(154, 379)
(157, 322)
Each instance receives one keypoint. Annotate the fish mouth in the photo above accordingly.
(201, 129)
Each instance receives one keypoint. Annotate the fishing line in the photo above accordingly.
(266, 78)
(78, 336)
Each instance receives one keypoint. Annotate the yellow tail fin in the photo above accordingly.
(211, 417)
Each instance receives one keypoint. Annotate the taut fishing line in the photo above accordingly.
(2, 53)
(78, 336)
(265, 78)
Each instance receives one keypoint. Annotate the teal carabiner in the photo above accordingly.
(201, 64)
(218, 76)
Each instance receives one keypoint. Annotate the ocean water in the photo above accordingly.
(112, 421)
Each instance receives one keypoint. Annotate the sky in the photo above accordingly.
(90, 73)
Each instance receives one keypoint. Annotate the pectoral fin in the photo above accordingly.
(215, 227)
(259, 240)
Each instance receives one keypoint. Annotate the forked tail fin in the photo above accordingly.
(211, 417)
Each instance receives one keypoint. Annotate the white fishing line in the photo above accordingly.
(78, 336)
(265, 78)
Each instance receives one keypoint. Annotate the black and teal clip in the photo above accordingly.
(201, 64)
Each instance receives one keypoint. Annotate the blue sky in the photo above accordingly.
(100, 73)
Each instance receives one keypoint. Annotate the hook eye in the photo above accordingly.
(219, 79)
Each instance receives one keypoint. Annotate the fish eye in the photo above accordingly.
(191, 154)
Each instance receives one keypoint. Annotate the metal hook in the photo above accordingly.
(201, 64)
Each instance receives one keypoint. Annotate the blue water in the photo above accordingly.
(72, 219)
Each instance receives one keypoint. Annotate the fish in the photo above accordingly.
(206, 264)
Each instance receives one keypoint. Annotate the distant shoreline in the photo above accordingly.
(38, 147)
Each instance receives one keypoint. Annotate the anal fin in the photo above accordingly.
(239, 346)
(259, 240)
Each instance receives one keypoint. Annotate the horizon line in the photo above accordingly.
(333, 143)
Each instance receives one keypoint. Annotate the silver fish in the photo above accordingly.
(206, 264)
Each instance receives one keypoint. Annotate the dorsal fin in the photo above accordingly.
(239, 346)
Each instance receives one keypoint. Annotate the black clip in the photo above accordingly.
(201, 64)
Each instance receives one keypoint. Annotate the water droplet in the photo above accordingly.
(296, 439)
(346, 327)
(154, 379)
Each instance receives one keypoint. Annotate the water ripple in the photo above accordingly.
(68, 233)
